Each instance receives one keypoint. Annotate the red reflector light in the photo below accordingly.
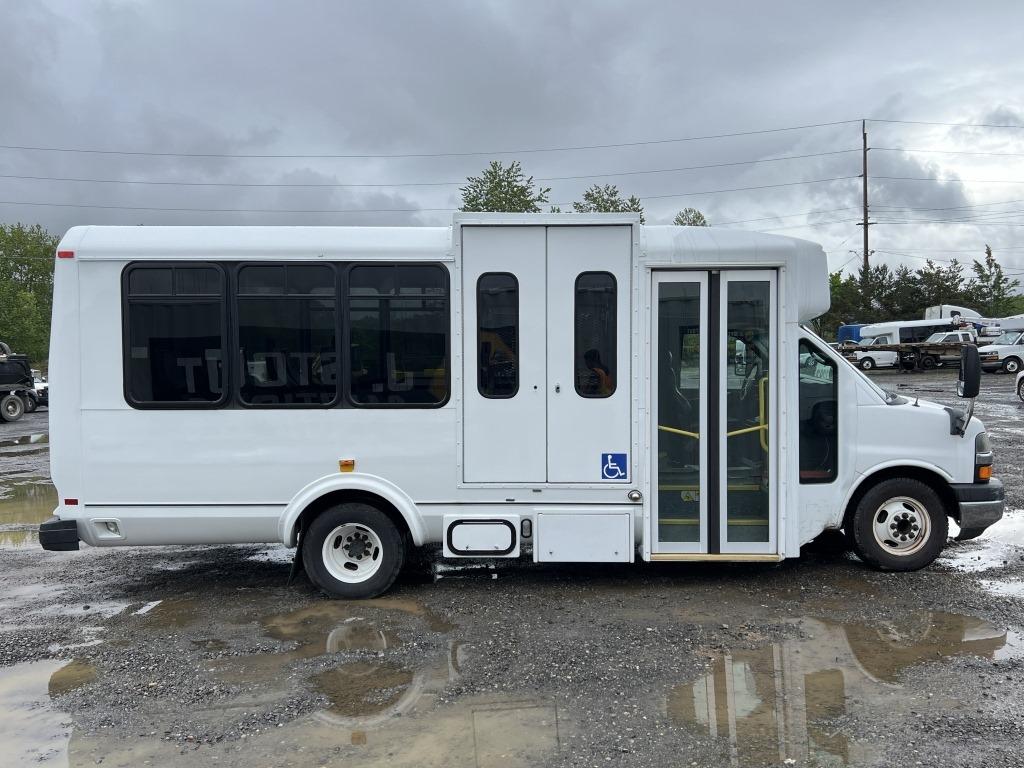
(65, 254)
(70, 502)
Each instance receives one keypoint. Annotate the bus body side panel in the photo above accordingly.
(65, 374)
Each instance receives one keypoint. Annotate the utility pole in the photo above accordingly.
(865, 276)
(864, 134)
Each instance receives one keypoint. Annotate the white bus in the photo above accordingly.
(913, 331)
(561, 385)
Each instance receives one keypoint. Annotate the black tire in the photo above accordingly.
(917, 499)
(12, 407)
(1011, 365)
(30, 403)
(867, 364)
(1020, 389)
(928, 362)
(366, 522)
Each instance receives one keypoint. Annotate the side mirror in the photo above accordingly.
(970, 372)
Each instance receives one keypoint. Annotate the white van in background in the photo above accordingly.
(868, 359)
(1004, 352)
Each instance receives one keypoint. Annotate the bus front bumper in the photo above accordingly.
(978, 506)
(58, 535)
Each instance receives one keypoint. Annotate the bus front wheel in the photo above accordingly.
(899, 525)
(352, 551)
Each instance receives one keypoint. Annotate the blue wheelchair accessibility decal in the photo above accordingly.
(614, 466)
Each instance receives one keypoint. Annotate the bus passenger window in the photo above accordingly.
(174, 335)
(819, 416)
(288, 348)
(399, 334)
(497, 310)
(594, 352)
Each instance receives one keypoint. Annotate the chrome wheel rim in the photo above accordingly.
(352, 553)
(11, 408)
(901, 526)
(1012, 366)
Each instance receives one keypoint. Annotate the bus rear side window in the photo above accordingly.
(594, 316)
(399, 324)
(287, 341)
(174, 335)
(819, 416)
(497, 310)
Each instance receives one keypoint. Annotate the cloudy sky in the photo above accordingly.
(331, 112)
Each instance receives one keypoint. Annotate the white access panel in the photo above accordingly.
(584, 431)
(572, 537)
(504, 439)
(481, 536)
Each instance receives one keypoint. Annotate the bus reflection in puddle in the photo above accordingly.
(781, 702)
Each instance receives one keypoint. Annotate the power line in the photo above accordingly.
(949, 152)
(784, 216)
(941, 221)
(388, 210)
(950, 181)
(409, 183)
(949, 125)
(324, 156)
(947, 208)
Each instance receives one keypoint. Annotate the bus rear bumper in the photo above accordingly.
(978, 506)
(58, 535)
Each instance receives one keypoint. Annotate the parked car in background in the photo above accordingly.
(1004, 353)
(868, 358)
(42, 387)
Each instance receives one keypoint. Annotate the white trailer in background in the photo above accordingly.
(565, 385)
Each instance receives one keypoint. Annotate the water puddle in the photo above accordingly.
(41, 438)
(1012, 588)
(23, 505)
(32, 730)
(71, 677)
(996, 547)
(781, 702)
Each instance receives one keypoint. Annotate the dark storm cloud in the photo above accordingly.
(411, 77)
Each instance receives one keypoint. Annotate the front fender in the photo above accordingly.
(872, 471)
(354, 481)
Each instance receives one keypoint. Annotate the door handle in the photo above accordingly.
(558, 388)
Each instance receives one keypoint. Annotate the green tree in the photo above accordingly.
(608, 199)
(993, 292)
(845, 306)
(503, 188)
(690, 217)
(26, 288)
(944, 285)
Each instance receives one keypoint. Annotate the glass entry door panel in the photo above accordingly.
(713, 467)
(747, 493)
(681, 377)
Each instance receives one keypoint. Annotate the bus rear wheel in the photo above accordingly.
(352, 551)
(899, 525)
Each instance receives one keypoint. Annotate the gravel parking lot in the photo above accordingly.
(206, 655)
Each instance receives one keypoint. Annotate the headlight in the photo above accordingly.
(982, 458)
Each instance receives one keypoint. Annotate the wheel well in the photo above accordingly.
(335, 498)
(932, 479)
